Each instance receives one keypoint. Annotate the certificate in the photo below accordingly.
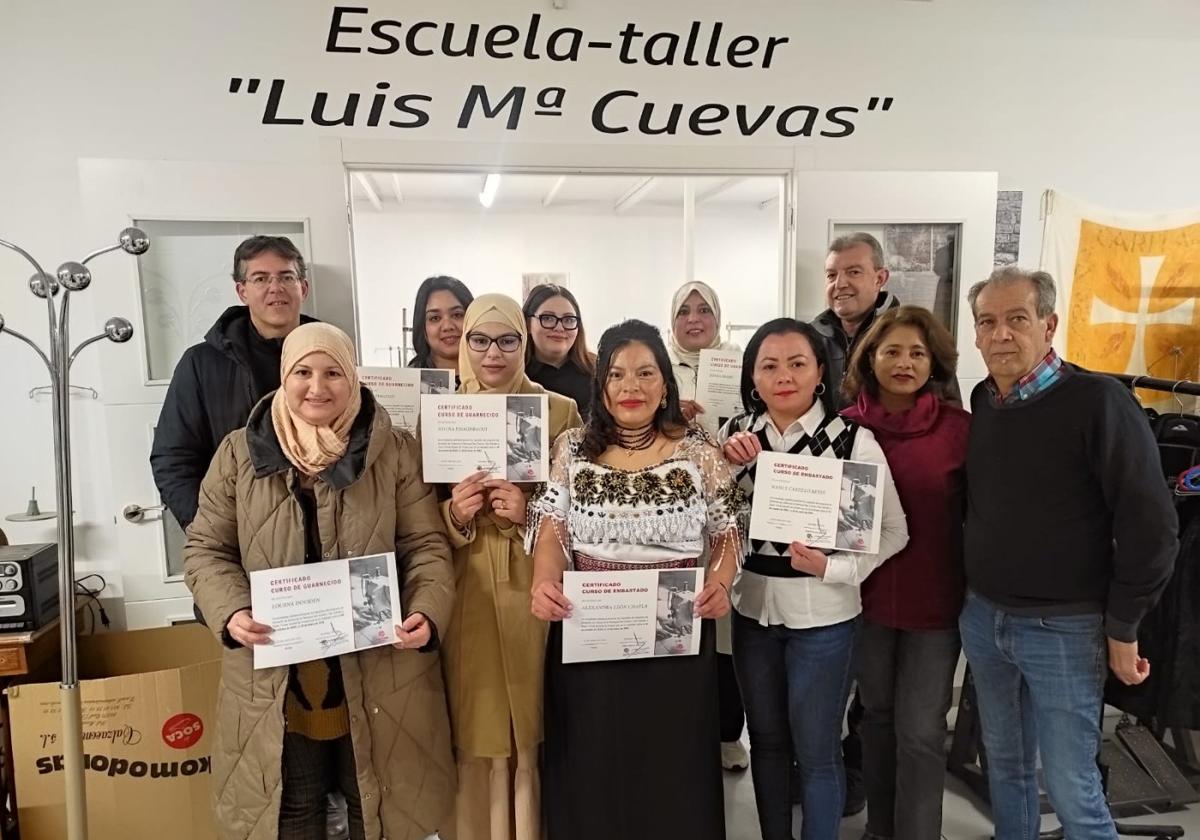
(505, 435)
(821, 502)
(325, 609)
(719, 388)
(631, 614)
(398, 390)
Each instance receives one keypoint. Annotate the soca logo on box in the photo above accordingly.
(182, 731)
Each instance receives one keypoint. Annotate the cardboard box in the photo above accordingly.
(149, 726)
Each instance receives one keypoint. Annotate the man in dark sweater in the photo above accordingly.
(1070, 539)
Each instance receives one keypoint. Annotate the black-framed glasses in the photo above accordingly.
(549, 321)
(480, 343)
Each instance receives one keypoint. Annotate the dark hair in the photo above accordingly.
(280, 246)
(783, 326)
(942, 352)
(437, 283)
(538, 295)
(600, 432)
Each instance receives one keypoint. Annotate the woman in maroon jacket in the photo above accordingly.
(899, 378)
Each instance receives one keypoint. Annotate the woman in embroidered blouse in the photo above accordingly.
(492, 652)
(634, 489)
(796, 609)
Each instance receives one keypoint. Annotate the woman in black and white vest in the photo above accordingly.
(797, 608)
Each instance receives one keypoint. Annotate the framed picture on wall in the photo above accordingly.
(532, 279)
(922, 259)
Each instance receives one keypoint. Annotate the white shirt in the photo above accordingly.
(805, 602)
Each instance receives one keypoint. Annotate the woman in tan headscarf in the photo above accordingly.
(695, 326)
(319, 473)
(494, 649)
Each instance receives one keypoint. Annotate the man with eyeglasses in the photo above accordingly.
(218, 381)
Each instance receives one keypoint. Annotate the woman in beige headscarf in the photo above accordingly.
(494, 649)
(317, 474)
(695, 326)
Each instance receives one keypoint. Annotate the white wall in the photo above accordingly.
(619, 267)
(1092, 97)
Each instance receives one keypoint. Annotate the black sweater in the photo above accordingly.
(1067, 509)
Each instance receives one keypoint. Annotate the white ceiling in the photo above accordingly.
(396, 191)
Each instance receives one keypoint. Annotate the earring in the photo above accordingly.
(820, 389)
(663, 402)
(754, 395)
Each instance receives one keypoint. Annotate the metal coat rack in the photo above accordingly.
(70, 277)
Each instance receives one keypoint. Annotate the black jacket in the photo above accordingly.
(839, 346)
(215, 385)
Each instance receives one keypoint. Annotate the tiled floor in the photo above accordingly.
(964, 817)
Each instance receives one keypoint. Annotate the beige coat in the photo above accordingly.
(373, 500)
(495, 650)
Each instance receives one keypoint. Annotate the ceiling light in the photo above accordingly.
(491, 185)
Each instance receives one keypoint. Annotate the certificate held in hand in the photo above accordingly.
(821, 502)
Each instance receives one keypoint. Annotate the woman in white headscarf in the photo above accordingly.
(695, 326)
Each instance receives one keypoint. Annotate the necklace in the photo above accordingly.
(636, 440)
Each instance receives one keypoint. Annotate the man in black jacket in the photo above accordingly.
(219, 380)
(1070, 539)
(855, 277)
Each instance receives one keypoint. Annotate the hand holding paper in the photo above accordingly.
(467, 498)
(805, 559)
(506, 500)
(549, 603)
(414, 633)
(246, 631)
(741, 448)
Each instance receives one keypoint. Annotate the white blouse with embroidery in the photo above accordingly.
(673, 510)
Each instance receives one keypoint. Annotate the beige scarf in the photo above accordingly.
(313, 448)
(691, 358)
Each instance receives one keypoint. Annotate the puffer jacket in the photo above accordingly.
(371, 501)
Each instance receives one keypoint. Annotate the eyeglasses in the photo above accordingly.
(285, 278)
(549, 321)
(480, 343)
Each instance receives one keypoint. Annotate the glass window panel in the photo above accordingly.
(185, 281)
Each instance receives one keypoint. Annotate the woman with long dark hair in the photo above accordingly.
(558, 358)
(437, 324)
(899, 381)
(632, 747)
(796, 608)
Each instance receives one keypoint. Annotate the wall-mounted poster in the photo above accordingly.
(1127, 290)
(533, 279)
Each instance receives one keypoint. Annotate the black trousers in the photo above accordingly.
(729, 698)
(311, 769)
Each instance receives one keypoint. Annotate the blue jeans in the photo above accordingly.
(1040, 684)
(795, 684)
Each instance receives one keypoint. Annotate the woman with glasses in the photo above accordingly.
(494, 649)
(558, 358)
(438, 322)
